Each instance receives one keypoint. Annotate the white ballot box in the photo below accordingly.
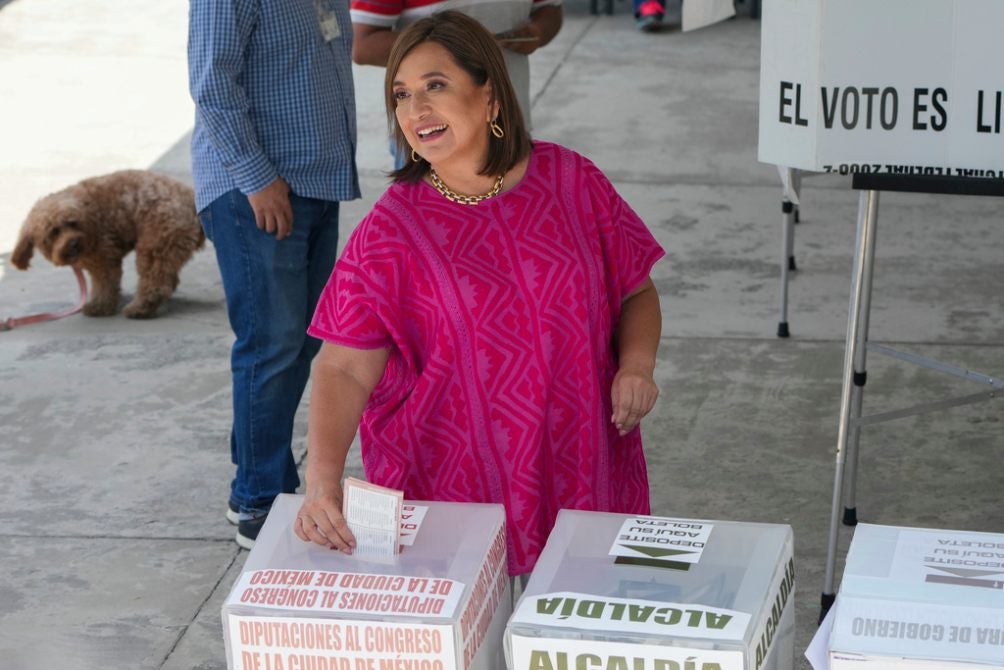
(440, 604)
(918, 598)
(619, 592)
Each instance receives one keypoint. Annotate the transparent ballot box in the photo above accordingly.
(440, 604)
(620, 592)
(920, 598)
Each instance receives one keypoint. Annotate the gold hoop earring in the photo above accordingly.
(415, 158)
(496, 130)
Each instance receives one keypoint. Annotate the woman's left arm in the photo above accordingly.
(637, 339)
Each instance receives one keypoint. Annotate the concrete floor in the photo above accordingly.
(115, 462)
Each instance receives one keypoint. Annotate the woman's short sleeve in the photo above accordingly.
(354, 308)
(629, 247)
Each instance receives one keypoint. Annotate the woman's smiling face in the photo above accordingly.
(443, 113)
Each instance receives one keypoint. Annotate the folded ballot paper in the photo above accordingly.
(373, 514)
(913, 598)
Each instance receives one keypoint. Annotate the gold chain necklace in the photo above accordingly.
(463, 199)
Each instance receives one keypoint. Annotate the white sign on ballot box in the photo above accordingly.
(890, 86)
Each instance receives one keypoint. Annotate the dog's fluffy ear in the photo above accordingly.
(21, 257)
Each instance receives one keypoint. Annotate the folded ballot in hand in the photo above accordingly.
(374, 517)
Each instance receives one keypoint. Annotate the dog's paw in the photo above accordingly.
(100, 308)
(139, 311)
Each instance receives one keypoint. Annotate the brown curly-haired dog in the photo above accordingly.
(92, 225)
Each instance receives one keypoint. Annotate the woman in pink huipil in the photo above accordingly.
(491, 348)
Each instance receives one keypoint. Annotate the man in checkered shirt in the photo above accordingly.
(273, 154)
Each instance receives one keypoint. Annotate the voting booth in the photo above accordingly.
(918, 599)
(612, 591)
(898, 94)
(440, 604)
(898, 86)
(901, 87)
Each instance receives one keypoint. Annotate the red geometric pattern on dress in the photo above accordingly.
(499, 319)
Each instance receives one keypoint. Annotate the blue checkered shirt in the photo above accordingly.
(272, 85)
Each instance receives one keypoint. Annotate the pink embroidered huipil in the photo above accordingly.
(499, 319)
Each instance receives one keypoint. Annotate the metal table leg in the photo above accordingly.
(864, 255)
(788, 241)
(857, 392)
(796, 182)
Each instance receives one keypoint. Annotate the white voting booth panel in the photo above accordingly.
(919, 599)
(619, 592)
(900, 94)
(441, 604)
(897, 86)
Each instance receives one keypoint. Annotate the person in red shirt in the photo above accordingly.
(520, 28)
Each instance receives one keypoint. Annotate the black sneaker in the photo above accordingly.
(233, 513)
(248, 528)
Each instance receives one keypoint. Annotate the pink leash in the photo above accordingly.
(11, 323)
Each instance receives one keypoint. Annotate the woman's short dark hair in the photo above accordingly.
(474, 50)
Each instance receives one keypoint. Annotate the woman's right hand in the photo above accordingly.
(320, 520)
(342, 379)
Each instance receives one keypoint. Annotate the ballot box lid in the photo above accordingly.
(452, 541)
(719, 579)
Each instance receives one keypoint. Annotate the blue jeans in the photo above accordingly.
(271, 289)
